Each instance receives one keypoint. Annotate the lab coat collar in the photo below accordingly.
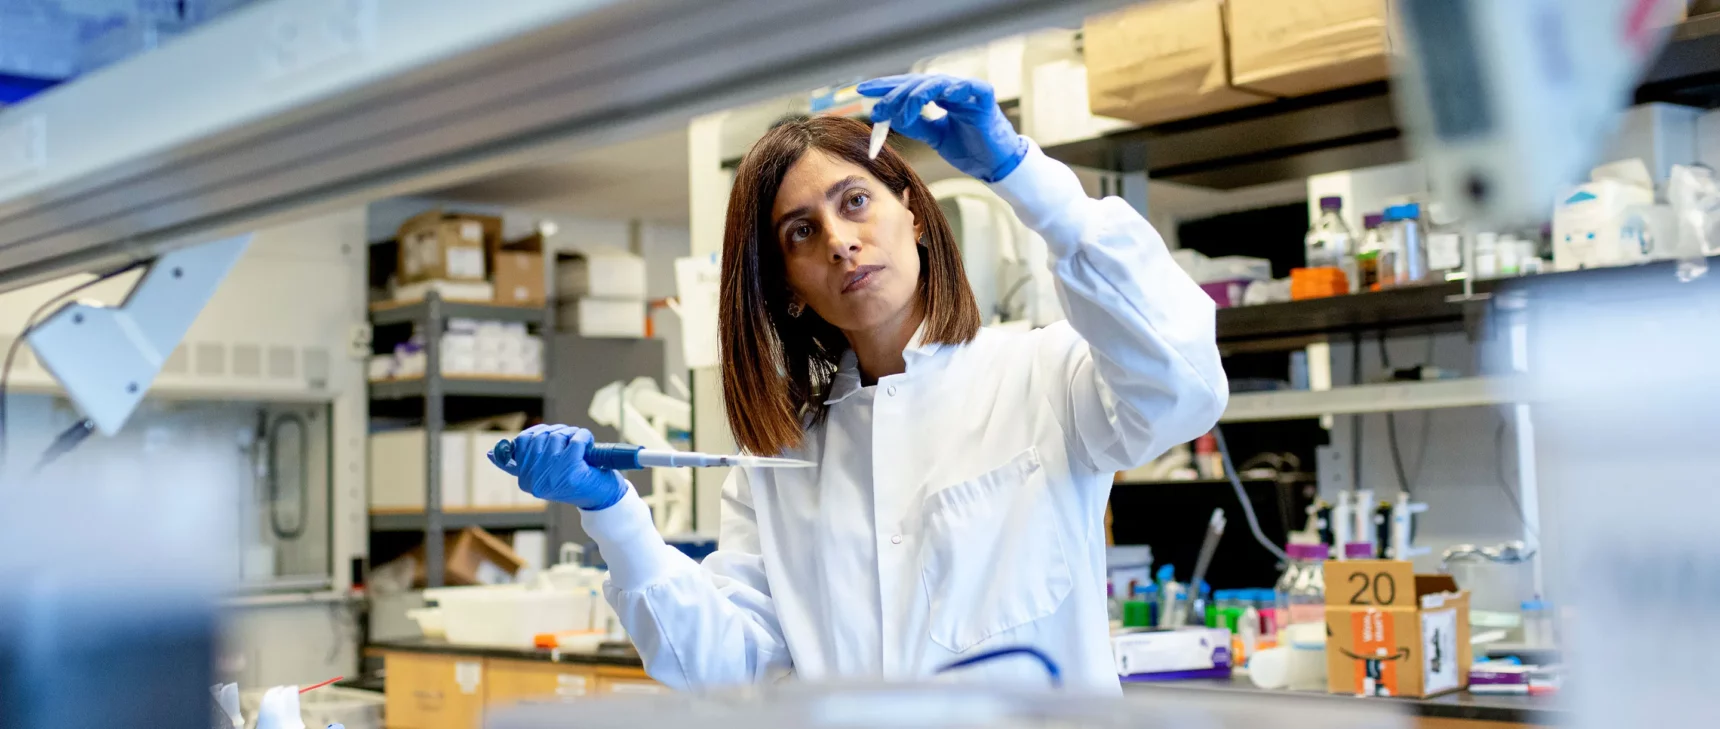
(847, 379)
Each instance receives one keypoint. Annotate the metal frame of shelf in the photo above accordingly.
(432, 315)
(415, 521)
(1361, 399)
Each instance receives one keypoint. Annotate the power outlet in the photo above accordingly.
(308, 35)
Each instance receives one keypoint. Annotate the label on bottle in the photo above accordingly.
(1444, 252)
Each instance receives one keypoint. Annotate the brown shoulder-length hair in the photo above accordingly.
(777, 368)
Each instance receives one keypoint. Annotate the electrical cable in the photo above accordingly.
(30, 324)
(1391, 420)
(65, 442)
(1505, 483)
(1051, 670)
(272, 477)
(1242, 495)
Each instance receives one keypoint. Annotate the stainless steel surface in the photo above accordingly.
(585, 73)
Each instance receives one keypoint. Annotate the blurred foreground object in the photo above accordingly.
(1509, 102)
(932, 706)
(1621, 364)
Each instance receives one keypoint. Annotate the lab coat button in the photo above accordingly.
(891, 390)
(897, 539)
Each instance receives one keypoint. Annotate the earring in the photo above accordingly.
(794, 309)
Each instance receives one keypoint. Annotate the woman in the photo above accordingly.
(959, 498)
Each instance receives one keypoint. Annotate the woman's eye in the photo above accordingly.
(857, 200)
(800, 232)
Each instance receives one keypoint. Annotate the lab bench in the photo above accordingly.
(1459, 710)
(437, 685)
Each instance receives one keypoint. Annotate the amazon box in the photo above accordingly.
(1298, 47)
(445, 246)
(1392, 632)
(1161, 62)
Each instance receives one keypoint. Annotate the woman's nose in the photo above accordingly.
(844, 243)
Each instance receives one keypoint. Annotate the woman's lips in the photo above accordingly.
(860, 277)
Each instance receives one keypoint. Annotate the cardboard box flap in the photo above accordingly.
(1434, 584)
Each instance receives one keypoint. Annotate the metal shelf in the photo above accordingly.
(419, 312)
(1314, 319)
(414, 521)
(458, 387)
(1386, 397)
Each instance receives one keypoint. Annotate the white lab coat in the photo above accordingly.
(958, 506)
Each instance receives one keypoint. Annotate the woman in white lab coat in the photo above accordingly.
(963, 473)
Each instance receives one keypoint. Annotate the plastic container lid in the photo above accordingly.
(1147, 589)
(1536, 605)
(1372, 220)
(1306, 551)
(1331, 202)
(1406, 211)
(1358, 550)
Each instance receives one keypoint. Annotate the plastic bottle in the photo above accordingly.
(1266, 604)
(1303, 589)
(1486, 263)
(1329, 241)
(1444, 243)
(1248, 630)
(1538, 629)
(1113, 606)
(1368, 254)
(1404, 259)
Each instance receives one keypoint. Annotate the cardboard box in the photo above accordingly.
(1299, 47)
(519, 278)
(449, 246)
(1391, 632)
(473, 557)
(1161, 62)
(1182, 653)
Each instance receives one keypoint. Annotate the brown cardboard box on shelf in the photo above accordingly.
(1161, 62)
(473, 557)
(1299, 47)
(519, 272)
(1391, 632)
(435, 245)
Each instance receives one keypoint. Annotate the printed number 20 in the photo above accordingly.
(1377, 584)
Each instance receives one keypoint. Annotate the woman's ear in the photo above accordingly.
(919, 226)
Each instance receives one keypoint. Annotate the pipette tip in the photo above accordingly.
(880, 131)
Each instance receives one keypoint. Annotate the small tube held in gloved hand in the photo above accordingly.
(880, 131)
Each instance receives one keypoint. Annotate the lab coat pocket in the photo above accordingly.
(994, 558)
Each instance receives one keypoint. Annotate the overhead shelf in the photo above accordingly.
(407, 389)
(413, 521)
(419, 311)
(1344, 128)
(1361, 399)
(1314, 318)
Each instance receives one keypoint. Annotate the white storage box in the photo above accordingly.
(603, 318)
(601, 274)
(1186, 652)
(397, 473)
(510, 615)
(354, 708)
(491, 486)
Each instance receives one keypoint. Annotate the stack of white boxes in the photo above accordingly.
(475, 347)
(469, 480)
(471, 348)
(601, 294)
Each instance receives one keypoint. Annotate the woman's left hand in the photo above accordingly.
(974, 136)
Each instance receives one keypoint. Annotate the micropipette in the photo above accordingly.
(629, 457)
(880, 130)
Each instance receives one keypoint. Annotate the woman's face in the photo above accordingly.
(850, 247)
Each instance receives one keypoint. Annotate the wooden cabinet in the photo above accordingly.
(427, 691)
(619, 680)
(439, 691)
(514, 681)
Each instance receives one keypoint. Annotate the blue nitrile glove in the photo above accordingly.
(974, 137)
(550, 463)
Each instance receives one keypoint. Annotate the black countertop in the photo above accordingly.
(1456, 705)
(603, 657)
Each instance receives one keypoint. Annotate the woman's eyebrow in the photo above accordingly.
(830, 193)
